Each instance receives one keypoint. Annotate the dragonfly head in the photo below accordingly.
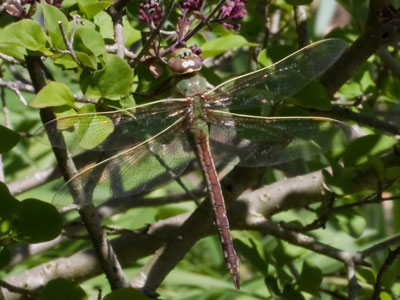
(184, 61)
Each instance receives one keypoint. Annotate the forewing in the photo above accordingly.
(112, 130)
(261, 141)
(142, 168)
(278, 81)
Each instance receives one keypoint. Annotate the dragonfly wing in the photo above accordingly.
(261, 141)
(115, 129)
(278, 81)
(141, 168)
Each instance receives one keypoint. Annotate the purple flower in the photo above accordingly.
(190, 5)
(151, 12)
(232, 11)
(196, 50)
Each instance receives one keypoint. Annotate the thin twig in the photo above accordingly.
(352, 278)
(16, 87)
(127, 53)
(348, 114)
(8, 124)
(10, 59)
(381, 246)
(381, 274)
(68, 44)
(18, 290)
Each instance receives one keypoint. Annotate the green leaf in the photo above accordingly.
(310, 279)
(12, 50)
(263, 59)
(274, 54)
(126, 293)
(8, 209)
(252, 253)
(367, 275)
(285, 252)
(222, 44)
(315, 96)
(65, 61)
(350, 221)
(93, 7)
(25, 33)
(289, 293)
(273, 287)
(114, 81)
(5, 257)
(86, 60)
(53, 94)
(351, 90)
(52, 15)
(8, 138)
(131, 34)
(89, 41)
(341, 182)
(89, 136)
(391, 172)
(37, 222)
(392, 87)
(104, 22)
(298, 2)
(7, 202)
(357, 151)
(62, 289)
(385, 296)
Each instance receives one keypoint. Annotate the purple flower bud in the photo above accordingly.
(150, 12)
(196, 50)
(233, 10)
(190, 5)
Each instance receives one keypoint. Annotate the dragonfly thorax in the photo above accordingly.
(192, 86)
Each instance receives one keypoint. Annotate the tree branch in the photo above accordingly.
(88, 213)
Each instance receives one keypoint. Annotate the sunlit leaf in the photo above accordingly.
(52, 15)
(53, 94)
(357, 151)
(93, 7)
(25, 33)
(89, 41)
(114, 81)
(222, 44)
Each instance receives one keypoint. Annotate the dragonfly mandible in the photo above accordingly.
(162, 137)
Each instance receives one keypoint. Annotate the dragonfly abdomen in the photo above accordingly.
(202, 149)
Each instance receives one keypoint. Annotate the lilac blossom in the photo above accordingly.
(151, 12)
(232, 11)
(190, 5)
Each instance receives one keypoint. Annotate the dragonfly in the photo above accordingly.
(152, 143)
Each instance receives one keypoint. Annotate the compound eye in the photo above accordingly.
(181, 54)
